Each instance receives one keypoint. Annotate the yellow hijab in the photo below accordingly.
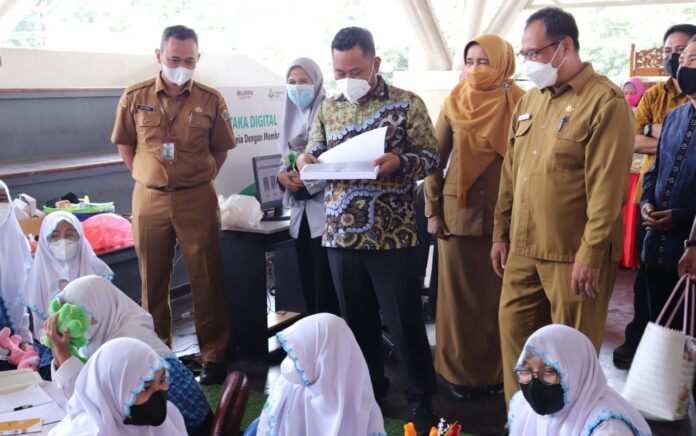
(479, 110)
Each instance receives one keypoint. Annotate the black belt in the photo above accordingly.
(181, 188)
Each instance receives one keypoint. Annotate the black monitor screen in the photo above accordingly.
(265, 172)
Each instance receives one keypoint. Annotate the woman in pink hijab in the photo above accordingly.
(633, 90)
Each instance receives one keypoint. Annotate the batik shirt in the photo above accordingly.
(375, 214)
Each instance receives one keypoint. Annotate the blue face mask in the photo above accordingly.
(301, 95)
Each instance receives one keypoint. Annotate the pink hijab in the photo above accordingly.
(640, 90)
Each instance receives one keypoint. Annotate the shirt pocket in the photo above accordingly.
(569, 147)
(147, 126)
(199, 131)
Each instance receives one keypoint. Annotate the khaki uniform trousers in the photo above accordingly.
(537, 293)
(191, 217)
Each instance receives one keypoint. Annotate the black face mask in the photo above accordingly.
(672, 64)
(544, 399)
(152, 412)
(686, 77)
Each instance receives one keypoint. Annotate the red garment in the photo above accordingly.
(630, 218)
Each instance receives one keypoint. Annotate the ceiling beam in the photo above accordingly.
(434, 53)
(506, 16)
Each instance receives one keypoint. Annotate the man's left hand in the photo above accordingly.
(687, 263)
(585, 281)
(388, 163)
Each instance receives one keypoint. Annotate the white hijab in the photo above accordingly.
(116, 315)
(296, 121)
(106, 389)
(15, 262)
(589, 401)
(331, 394)
(48, 271)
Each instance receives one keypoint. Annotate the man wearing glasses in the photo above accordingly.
(558, 222)
(656, 103)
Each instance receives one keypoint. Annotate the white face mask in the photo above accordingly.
(178, 75)
(4, 211)
(287, 369)
(354, 89)
(543, 75)
(64, 250)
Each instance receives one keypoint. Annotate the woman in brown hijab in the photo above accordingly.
(460, 200)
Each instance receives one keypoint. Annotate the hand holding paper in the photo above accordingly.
(351, 160)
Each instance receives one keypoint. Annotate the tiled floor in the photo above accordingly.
(480, 416)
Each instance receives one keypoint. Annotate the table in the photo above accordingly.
(244, 269)
(630, 218)
(57, 396)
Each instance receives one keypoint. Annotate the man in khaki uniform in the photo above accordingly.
(173, 135)
(558, 222)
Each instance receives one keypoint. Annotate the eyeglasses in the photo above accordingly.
(533, 55)
(547, 376)
(70, 235)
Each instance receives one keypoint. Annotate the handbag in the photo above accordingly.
(660, 380)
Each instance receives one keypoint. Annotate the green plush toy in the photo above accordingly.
(76, 320)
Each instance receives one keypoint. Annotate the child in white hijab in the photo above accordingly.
(122, 391)
(62, 255)
(564, 391)
(15, 261)
(325, 386)
(115, 315)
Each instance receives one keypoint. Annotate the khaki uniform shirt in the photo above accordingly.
(476, 217)
(564, 177)
(200, 125)
(656, 103)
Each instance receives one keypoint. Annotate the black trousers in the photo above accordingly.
(641, 310)
(370, 282)
(661, 283)
(315, 277)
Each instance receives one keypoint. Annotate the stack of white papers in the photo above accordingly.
(350, 160)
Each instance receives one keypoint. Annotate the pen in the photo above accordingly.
(26, 406)
(563, 121)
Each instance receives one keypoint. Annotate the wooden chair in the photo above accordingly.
(646, 63)
(231, 406)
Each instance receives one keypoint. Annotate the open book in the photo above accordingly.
(350, 160)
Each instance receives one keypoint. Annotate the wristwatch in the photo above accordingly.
(689, 243)
(647, 129)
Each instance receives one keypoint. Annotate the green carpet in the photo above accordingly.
(256, 402)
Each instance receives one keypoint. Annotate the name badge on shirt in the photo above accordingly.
(168, 149)
(144, 107)
(524, 117)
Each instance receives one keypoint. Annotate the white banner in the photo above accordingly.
(256, 117)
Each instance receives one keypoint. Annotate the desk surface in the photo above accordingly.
(263, 227)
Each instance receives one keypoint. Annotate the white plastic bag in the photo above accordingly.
(239, 211)
(661, 375)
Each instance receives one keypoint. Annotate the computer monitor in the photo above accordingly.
(265, 175)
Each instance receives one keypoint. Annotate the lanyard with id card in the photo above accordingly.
(168, 151)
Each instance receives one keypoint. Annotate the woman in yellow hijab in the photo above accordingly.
(472, 134)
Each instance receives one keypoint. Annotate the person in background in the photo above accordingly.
(564, 392)
(370, 228)
(558, 221)
(173, 134)
(668, 205)
(63, 254)
(656, 103)
(122, 390)
(633, 90)
(324, 386)
(305, 92)
(114, 315)
(15, 262)
(471, 133)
